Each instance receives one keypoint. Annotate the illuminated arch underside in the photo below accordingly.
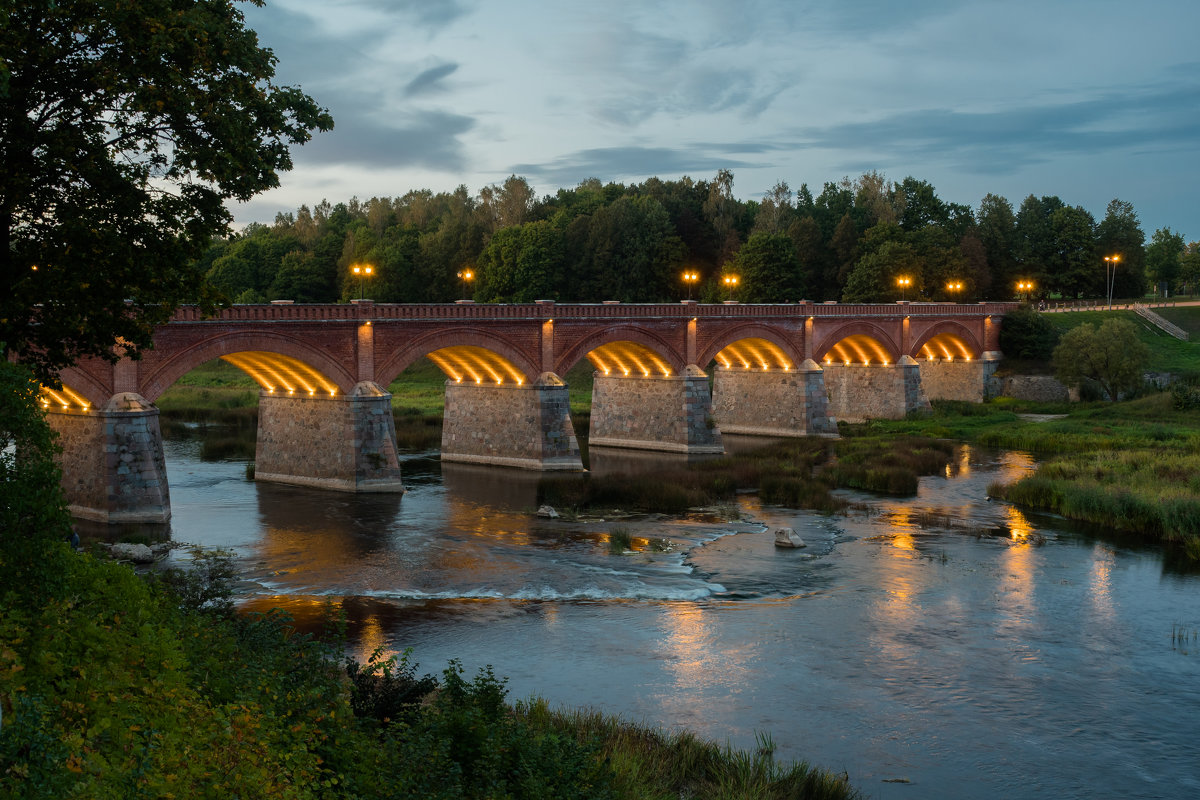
(948, 347)
(275, 372)
(858, 349)
(753, 354)
(65, 398)
(473, 364)
(628, 359)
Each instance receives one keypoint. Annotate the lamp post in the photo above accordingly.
(690, 278)
(362, 271)
(731, 282)
(1024, 288)
(467, 276)
(1110, 276)
(904, 282)
(954, 288)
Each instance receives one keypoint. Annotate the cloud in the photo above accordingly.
(429, 139)
(428, 81)
(432, 14)
(1004, 141)
(632, 162)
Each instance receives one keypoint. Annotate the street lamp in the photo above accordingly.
(1110, 276)
(1024, 287)
(730, 282)
(467, 276)
(904, 282)
(362, 271)
(690, 278)
(954, 287)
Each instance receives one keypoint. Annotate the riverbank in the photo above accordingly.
(1132, 466)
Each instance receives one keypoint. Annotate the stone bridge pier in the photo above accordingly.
(773, 402)
(513, 425)
(112, 461)
(344, 443)
(667, 413)
(859, 392)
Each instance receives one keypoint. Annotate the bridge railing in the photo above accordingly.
(546, 310)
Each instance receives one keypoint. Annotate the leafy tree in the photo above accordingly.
(632, 252)
(1189, 266)
(768, 270)
(1036, 247)
(1025, 333)
(1163, 257)
(996, 227)
(522, 264)
(1120, 233)
(874, 277)
(124, 129)
(1112, 355)
(1073, 266)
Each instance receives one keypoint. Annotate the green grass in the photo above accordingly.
(1186, 317)
(1168, 354)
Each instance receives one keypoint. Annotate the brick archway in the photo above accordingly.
(952, 328)
(619, 333)
(401, 359)
(828, 340)
(86, 385)
(183, 361)
(750, 331)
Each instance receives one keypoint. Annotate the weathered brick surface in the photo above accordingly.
(112, 460)
(517, 426)
(655, 413)
(773, 402)
(343, 443)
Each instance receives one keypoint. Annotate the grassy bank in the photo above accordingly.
(1132, 466)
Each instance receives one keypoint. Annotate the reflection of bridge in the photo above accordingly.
(324, 420)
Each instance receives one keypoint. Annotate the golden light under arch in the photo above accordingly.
(280, 374)
(947, 347)
(858, 349)
(753, 353)
(628, 359)
(466, 363)
(65, 398)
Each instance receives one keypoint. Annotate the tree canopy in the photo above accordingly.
(1112, 355)
(124, 129)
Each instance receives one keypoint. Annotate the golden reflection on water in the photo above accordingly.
(688, 643)
(1103, 559)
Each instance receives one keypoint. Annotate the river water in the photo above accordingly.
(943, 646)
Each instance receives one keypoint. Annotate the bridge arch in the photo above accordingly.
(620, 333)
(947, 339)
(83, 385)
(777, 346)
(856, 342)
(466, 344)
(187, 359)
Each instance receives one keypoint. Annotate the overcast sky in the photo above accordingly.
(1089, 100)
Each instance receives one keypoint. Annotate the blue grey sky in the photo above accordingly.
(1089, 100)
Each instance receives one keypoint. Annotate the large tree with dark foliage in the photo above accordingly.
(124, 129)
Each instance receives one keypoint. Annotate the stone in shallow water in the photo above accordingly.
(137, 553)
(548, 512)
(787, 537)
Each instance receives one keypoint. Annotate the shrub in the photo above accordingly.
(1027, 334)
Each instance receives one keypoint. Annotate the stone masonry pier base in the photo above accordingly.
(959, 380)
(346, 444)
(773, 402)
(655, 413)
(112, 461)
(860, 392)
(511, 426)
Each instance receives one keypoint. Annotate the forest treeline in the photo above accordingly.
(633, 243)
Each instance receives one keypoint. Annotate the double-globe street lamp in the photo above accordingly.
(731, 282)
(904, 282)
(1024, 288)
(466, 276)
(690, 278)
(954, 288)
(363, 271)
(1110, 276)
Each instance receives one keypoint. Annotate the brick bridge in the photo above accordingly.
(325, 414)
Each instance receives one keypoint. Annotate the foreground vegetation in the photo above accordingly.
(117, 686)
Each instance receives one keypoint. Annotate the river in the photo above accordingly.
(943, 646)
